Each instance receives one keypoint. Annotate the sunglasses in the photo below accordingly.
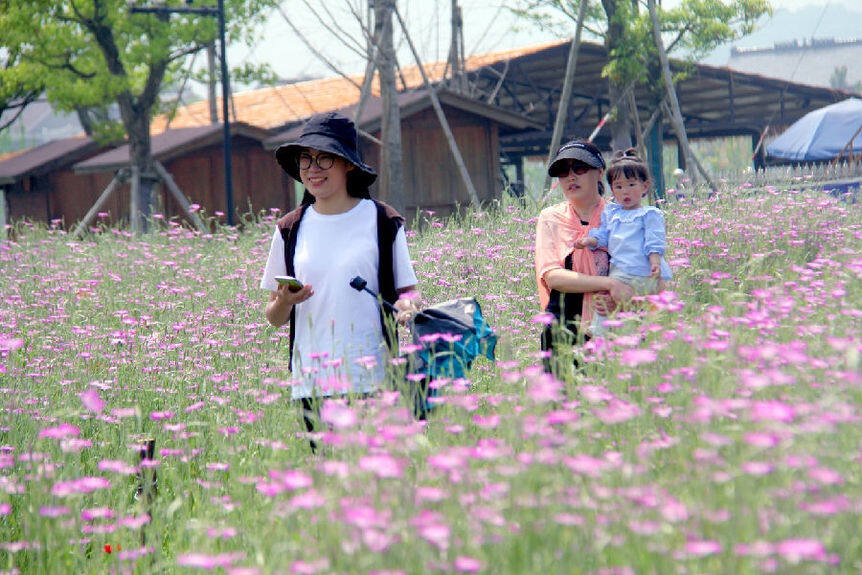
(579, 168)
(323, 161)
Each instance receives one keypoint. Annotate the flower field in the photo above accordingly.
(717, 432)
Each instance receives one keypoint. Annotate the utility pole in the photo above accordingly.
(456, 50)
(219, 13)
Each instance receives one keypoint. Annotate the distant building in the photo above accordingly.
(38, 123)
(816, 62)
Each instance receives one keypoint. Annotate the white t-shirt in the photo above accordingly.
(339, 345)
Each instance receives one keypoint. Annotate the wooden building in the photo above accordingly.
(38, 184)
(432, 178)
(194, 157)
(506, 115)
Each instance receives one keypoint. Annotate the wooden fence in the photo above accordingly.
(838, 179)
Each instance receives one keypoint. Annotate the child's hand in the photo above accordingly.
(585, 242)
(654, 265)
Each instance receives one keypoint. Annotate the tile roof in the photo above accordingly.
(45, 157)
(170, 144)
(277, 107)
(410, 103)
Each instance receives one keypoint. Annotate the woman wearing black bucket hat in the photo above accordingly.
(571, 281)
(337, 334)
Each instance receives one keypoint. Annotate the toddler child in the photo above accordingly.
(634, 235)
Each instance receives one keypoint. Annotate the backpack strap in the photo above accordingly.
(288, 225)
(389, 221)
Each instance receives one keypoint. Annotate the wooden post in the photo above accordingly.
(119, 178)
(391, 167)
(4, 211)
(134, 201)
(370, 68)
(180, 196)
(441, 116)
(656, 160)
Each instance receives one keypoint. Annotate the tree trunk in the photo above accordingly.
(619, 123)
(566, 95)
(144, 176)
(675, 113)
(444, 123)
(391, 183)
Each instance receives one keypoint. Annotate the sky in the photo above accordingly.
(488, 27)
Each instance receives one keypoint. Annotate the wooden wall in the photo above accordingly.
(58, 196)
(259, 184)
(432, 178)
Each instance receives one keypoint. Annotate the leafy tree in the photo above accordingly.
(838, 80)
(20, 83)
(692, 29)
(93, 53)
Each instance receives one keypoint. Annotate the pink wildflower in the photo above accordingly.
(81, 485)
(702, 548)
(382, 465)
(337, 414)
(634, 357)
(209, 562)
(62, 431)
(91, 400)
(796, 550)
(464, 564)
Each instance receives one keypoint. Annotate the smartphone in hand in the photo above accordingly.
(293, 284)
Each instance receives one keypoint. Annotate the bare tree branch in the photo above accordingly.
(315, 51)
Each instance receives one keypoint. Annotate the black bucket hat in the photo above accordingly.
(578, 150)
(328, 132)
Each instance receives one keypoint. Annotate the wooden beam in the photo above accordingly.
(120, 177)
(444, 123)
(180, 196)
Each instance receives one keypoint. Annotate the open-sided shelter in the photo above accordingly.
(714, 101)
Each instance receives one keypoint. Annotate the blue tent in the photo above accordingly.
(823, 134)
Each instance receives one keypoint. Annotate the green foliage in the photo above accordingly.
(732, 446)
(92, 53)
(838, 80)
(699, 26)
(20, 81)
(693, 28)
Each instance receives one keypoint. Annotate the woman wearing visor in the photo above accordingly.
(573, 282)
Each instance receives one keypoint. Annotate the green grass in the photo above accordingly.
(733, 449)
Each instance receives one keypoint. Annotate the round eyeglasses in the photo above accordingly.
(323, 161)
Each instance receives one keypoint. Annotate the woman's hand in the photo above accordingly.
(603, 303)
(281, 303)
(620, 292)
(288, 297)
(607, 302)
